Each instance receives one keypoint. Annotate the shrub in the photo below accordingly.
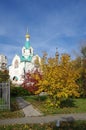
(19, 91)
(31, 80)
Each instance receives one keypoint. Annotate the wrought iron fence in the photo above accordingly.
(4, 96)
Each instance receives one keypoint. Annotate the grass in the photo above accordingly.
(70, 106)
(13, 113)
(1, 101)
(77, 125)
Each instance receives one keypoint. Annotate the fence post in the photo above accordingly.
(5, 95)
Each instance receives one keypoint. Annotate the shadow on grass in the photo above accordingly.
(68, 103)
(14, 106)
(75, 125)
(39, 98)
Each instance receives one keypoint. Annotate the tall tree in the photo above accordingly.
(83, 74)
(83, 51)
(59, 79)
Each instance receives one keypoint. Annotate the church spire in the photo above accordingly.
(27, 43)
(27, 35)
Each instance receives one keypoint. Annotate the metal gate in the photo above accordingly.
(4, 96)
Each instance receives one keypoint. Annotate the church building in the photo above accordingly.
(23, 64)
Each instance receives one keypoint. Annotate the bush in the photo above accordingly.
(19, 91)
(31, 81)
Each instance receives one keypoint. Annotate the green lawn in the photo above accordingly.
(70, 106)
(77, 125)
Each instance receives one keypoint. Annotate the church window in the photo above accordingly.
(30, 51)
(15, 78)
(16, 65)
(24, 50)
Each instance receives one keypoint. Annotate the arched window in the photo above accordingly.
(16, 65)
(24, 51)
(15, 78)
(30, 51)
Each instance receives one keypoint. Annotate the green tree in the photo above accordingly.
(83, 51)
(83, 72)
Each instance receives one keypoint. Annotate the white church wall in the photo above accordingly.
(21, 65)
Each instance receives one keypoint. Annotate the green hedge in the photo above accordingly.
(18, 91)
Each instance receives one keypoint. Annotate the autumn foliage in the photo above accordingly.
(80, 64)
(4, 75)
(59, 79)
(31, 80)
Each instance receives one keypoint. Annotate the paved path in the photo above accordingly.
(44, 119)
(27, 108)
(34, 116)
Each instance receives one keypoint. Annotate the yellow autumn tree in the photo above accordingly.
(58, 79)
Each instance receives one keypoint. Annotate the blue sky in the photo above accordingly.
(51, 23)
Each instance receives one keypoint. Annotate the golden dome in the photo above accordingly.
(27, 35)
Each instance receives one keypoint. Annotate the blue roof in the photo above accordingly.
(23, 59)
(27, 44)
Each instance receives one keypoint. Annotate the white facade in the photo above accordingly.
(23, 64)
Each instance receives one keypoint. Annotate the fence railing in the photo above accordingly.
(4, 96)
